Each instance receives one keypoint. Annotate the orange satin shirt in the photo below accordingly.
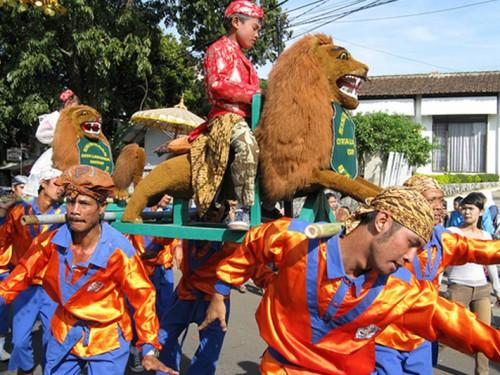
(91, 293)
(199, 265)
(15, 238)
(318, 320)
(443, 250)
(155, 251)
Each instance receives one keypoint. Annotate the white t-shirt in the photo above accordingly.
(472, 274)
(47, 128)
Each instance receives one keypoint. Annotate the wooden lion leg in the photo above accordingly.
(357, 188)
(172, 177)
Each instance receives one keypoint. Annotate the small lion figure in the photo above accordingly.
(79, 139)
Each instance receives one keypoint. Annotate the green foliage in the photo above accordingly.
(200, 23)
(113, 54)
(465, 178)
(384, 133)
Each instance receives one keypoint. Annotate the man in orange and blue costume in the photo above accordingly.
(330, 298)
(398, 350)
(15, 239)
(157, 254)
(90, 270)
(190, 301)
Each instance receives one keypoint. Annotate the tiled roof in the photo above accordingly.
(432, 84)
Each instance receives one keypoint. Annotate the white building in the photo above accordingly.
(459, 111)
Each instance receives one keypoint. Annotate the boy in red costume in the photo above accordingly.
(231, 80)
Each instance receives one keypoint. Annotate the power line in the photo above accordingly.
(310, 10)
(397, 56)
(302, 6)
(345, 14)
(412, 14)
(330, 11)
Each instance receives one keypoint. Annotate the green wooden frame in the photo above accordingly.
(181, 227)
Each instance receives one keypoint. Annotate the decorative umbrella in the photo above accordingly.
(175, 119)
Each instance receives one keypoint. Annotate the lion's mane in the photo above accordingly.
(295, 133)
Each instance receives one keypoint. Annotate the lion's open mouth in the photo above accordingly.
(350, 85)
(91, 127)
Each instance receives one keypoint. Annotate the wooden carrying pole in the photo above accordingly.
(321, 230)
(61, 218)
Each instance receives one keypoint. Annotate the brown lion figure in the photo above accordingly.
(295, 133)
(78, 139)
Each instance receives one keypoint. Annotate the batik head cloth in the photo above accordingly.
(405, 205)
(245, 7)
(422, 183)
(86, 180)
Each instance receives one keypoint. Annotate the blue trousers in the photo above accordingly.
(110, 363)
(163, 281)
(4, 312)
(394, 362)
(178, 315)
(27, 307)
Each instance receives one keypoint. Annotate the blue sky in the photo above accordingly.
(461, 40)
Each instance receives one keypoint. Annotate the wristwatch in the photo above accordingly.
(154, 352)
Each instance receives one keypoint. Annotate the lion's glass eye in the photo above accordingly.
(343, 56)
(83, 113)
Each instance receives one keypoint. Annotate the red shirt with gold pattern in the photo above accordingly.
(230, 79)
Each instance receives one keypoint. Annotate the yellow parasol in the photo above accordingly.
(176, 119)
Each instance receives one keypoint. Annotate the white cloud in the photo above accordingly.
(420, 34)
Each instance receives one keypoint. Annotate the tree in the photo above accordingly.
(384, 133)
(113, 54)
(199, 23)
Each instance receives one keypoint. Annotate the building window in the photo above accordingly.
(461, 144)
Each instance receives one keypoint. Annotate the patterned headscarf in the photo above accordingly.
(245, 7)
(405, 205)
(422, 183)
(86, 180)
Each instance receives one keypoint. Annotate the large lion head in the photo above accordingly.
(295, 132)
(85, 120)
(345, 75)
(74, 123)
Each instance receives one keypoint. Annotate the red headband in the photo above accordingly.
(65, 95)
(245, 7)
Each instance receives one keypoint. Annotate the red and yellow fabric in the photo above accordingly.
(230, 79)
(15, 238)
(245, 7)
(5, 257)
(443, 250)
(317, 320)
(92, 294)
(155, 251)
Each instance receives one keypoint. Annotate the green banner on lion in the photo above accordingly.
(344, 158)
(95, 153)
